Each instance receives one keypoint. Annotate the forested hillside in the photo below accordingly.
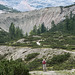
(66, 26)
(13, 34)
(60, 36)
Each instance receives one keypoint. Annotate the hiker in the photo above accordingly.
(44, 64)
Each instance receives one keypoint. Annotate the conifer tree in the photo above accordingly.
(15, 32)
(43, 28)
(26, 35)
(19, 32)
(67, 23)
(53, 24)
(35, 29)
(12, 31)
(39, 29)
(71, 15)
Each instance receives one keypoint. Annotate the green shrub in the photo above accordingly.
(58, 46)
(31, 56)
(65, 65)
(13, 68)
(71, 47)
(57, 59)
(35, 64)
(3, 56)
(21, 70)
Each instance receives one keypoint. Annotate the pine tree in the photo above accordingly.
(53, 24)
(71, 15)
(26, 35)
(35, 30)
(61, 8)
(39, 29)
(12, 31)
(43, 28)
(15, 32)
(31, 32)
(19, 32)
(67, 23)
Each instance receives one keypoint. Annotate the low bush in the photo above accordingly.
(3, 56)
(13, 68)
(71, 47)
(21, 70)
(35, 64)
(65, 65)
(57, 59)
(31, 56)
(58, 46)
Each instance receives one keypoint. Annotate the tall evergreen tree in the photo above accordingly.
(53, 26)
(15, 32)
(19, 32)
(31, 32)
(26, 35)
(35, 29)
(61, 8)
(43, 28)
(71, 15)
(12, 31)
(67, 23)
(39, 29)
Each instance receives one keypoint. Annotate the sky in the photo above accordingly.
(27, 5)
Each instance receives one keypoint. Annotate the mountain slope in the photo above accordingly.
(27, 20)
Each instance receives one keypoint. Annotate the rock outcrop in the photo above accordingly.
(22, 52)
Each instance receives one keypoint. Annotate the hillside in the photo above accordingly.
(53, 40)
(27, 20)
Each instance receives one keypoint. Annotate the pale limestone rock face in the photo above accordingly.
(22, 52)
(27, 20)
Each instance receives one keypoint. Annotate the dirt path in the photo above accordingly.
(61, 72)
(73, 52)
(43, 73)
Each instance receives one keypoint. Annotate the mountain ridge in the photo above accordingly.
(26, 20)
(26, 5)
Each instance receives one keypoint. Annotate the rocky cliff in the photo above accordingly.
(27, 20)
